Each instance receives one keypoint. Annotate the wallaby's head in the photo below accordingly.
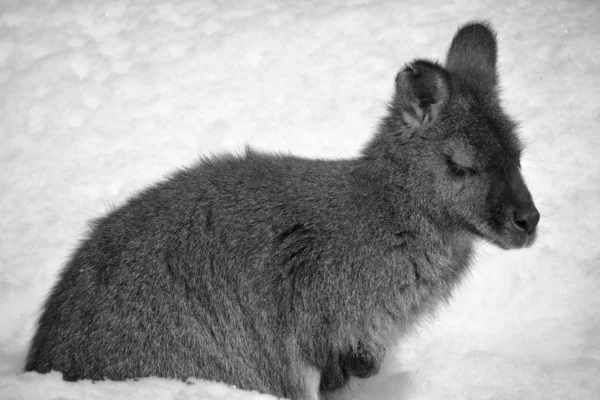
(453, 147)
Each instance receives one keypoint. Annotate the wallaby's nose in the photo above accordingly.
(526, 219)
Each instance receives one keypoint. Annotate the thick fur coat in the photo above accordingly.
(290, 275)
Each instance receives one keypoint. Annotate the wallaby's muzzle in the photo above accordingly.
(521, 217)
(524, 220)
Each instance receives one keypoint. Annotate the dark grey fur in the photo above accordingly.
(288, 275)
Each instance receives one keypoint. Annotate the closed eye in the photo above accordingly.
(459, 171)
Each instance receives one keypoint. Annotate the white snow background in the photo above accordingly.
(101, 98)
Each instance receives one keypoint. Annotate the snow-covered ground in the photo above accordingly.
(99, 98)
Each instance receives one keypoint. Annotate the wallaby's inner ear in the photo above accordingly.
(473, 54)
(422, 89)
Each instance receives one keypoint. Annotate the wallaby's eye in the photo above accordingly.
(459, 171)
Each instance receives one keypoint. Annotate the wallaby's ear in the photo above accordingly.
(473, 54)
(422, 90)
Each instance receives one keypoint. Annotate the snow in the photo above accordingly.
(99, 99)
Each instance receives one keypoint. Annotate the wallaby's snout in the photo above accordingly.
(526, 219)
(520, 214)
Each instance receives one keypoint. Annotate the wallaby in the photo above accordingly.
(289, 275)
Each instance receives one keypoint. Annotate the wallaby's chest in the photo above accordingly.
(424, 273)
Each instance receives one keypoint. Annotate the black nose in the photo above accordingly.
(526, 219)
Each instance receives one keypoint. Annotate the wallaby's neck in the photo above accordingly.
(382, 184)
(387, 190)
